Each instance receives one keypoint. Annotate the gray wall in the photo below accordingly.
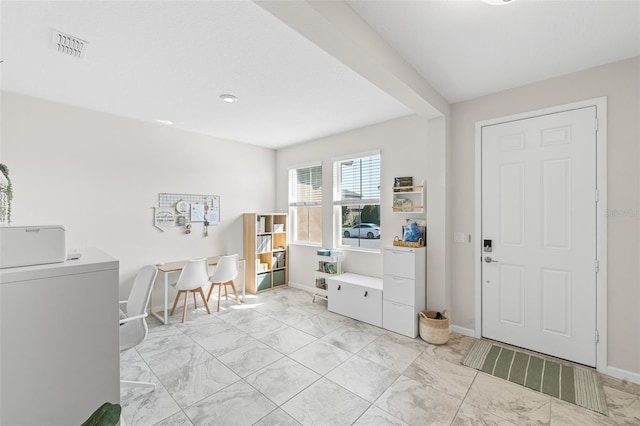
(620, 83)
(99, 175)
(409, 146)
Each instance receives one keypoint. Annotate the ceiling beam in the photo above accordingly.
(336, 28)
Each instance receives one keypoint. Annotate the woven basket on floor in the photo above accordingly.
(433, 330)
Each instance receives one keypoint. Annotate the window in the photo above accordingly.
(305, 203)
(357, 200)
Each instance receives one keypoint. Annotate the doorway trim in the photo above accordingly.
(601, 216)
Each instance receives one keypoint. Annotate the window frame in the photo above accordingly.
(295, 204)
(339, 201)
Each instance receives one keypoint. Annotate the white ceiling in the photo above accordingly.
(466, 49)
(170, 60)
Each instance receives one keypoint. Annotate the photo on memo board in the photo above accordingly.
(197, 212)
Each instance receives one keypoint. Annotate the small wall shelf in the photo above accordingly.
(408, 199)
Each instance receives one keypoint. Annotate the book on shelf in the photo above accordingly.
(330, 252)
(321, 283)
(401, 182)
(327, 267)
(261, 224)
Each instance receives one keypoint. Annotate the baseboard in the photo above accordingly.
(159, 309)
(306, 288)
(461, 330)
(619, 373)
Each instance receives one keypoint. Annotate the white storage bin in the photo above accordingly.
(32, 245)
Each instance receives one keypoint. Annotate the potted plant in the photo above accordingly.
(6, 195)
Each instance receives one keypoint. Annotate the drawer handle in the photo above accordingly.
(339, 287)
(366, 293)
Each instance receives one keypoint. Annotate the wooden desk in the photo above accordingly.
(167, 268)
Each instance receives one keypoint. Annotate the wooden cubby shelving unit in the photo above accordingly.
(265, 251)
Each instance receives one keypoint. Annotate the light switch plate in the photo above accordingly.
(458, 237)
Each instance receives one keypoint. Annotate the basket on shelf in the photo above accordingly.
(433, 330)
(398, 242)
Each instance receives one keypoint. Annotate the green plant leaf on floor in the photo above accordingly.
(107, 415)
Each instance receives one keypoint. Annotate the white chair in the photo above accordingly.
(133, 326)
(226, 271)
(194, 275)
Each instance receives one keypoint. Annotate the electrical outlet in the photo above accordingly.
(458, 237)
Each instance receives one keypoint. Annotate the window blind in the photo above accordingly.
(357, 181)
(305, 185)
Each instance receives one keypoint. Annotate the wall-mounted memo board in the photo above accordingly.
(181, 209)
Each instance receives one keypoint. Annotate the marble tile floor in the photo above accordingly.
(279, 359)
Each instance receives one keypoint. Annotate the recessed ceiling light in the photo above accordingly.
(230, 99)
(497, 2)
(167, 122)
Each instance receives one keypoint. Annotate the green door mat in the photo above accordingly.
(577, 385)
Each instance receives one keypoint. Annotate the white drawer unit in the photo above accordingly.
(398, 318)
(400, 261)
(356, 296)
(404, 288)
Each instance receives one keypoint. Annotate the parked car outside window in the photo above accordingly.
(362, 230)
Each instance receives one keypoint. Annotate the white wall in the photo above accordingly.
(409, 146)
(99, 175)
(620, 83)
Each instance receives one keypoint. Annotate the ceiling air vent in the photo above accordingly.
(67, 44)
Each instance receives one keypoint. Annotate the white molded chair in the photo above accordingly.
(133, 326)
(194, 275)
(226, 271)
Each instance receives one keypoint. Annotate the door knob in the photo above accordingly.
(488, 259)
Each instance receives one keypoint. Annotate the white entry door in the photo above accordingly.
(539, 213)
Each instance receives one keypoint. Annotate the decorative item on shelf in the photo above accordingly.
(399, 182)
(321, 283)
(402, 203)
(413, 234)
(278, 227)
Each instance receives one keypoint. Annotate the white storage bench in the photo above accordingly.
(356, 296)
